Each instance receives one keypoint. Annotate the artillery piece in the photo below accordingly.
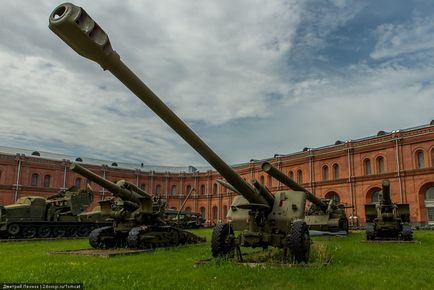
(269, 221)
(323, 214)
(136, 218)
(387, 220)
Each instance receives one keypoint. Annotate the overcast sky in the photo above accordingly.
(252, 78)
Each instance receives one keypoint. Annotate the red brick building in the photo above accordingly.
(351, 171)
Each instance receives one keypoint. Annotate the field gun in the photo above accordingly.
(387, 220)
(323, 214)
(262, 219)
(137, 217)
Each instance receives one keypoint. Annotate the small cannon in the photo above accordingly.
(387, 220)
(262, 219)
(324, 214)
(137, 217)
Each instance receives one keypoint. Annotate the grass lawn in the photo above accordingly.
(354, 265)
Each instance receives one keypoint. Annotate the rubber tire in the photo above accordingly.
(407, 232)
(299, 241)
(72, 231)
(220, 247)
(95, 238)
(44, 232)
(370, 231)
(29, 232)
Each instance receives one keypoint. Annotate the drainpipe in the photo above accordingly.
(311, 171)
(18, 175)
(398, 169)
(65, 162)
(350, 181)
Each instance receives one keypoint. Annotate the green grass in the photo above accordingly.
(354, 265)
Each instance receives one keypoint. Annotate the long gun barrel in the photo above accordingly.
(74, 26)
(279, 175)
(386, 192)
(119, 189)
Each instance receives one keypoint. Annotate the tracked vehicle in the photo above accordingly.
(56, 216)
(262, 219)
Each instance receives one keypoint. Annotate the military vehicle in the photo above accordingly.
(136, 216)
(55, 216)
(184, 219)
(271, 221)
(323, 214)
(386, 220)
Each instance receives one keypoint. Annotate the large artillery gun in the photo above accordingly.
(262, 219)
(386, 220)
(136, 216)
(323, 214)
(55, 216)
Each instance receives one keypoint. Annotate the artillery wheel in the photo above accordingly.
(29, 232)
(299, 241)
(370, 231)
(44, 232)
(59, 231)
(102, 238)
(222, 243)
(407, 232)
(343, 224)
(133, 239)
(14, 229)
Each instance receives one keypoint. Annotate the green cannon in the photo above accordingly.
(387, 220)
(323, 214)
(137, 218)
(262, 219)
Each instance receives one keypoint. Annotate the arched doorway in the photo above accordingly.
(429, 204)
(333, 195)
(372, 195)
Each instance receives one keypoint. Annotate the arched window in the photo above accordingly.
(333, 195)
(158, 189)
(47, 180)
(173, 191)
(325, 173)
(34, 179)
(336, 174)
(215, 212)
(202, 189)
(214, 188)
(374, 196)
(262, 179)
(78, 182)
(380, 165)
(420, 159)
(291, 174)
(188, 189)
(429, 204)
(225, 211)
(203, 212)
(300, 176)
(0, 176)
(367, 166)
